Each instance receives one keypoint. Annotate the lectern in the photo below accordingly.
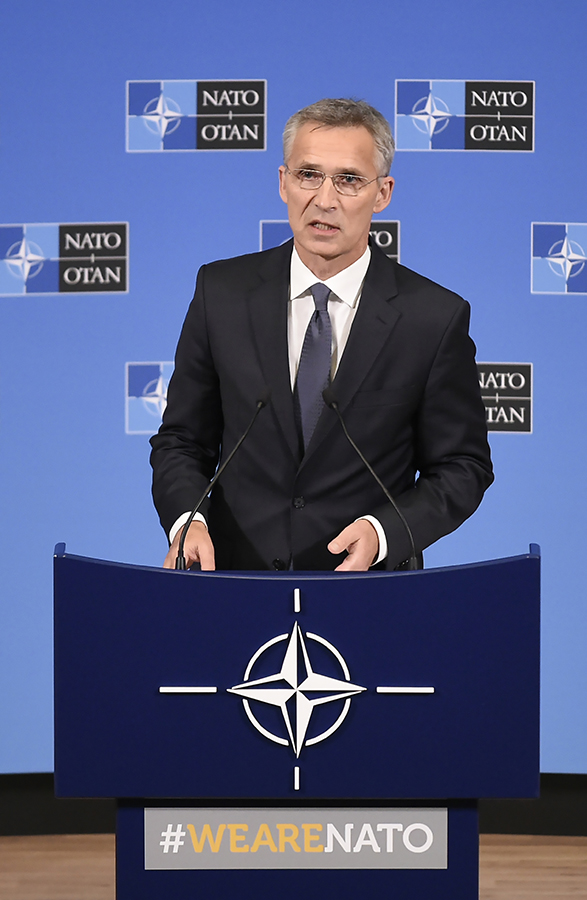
(297, 734)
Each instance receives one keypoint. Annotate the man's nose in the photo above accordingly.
(326, 196)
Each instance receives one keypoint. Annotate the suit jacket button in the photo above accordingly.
(299, 502)
(278, 565)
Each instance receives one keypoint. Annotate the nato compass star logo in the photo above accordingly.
(29, 259)
(430, 114)
(68, 257)
(154, 396)
(452, 114)
(566, 258)
(559, 257)
(25, 259)
(162, 115)
(146, 395)
(296, 689)
(185, 114)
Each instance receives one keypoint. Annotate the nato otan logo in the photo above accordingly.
(146, 395)
(559, 255)
(506, 391)
(385, 235)
(464, 115)
(60, 259)
(195, 115)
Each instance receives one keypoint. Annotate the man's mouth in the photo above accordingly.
(324, 226)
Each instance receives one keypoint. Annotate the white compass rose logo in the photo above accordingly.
(293, 698)
(430, 114)
(25, 259)
(296, 689)
(154, 396)
(566, 258)
(162, 115)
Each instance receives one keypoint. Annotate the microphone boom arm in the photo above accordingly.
(180, 561)
(332, 403)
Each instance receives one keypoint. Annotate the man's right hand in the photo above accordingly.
(198, 547)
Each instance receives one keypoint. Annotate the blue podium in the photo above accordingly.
(272, 734)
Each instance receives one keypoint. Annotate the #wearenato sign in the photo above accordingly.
(292, 838)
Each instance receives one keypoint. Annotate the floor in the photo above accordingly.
(516, 867)
(81, 867)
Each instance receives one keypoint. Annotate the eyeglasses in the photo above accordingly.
(312, 179)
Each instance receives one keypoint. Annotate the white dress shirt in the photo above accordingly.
(343, 302)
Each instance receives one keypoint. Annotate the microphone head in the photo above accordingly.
(329, 397)
(264, 397)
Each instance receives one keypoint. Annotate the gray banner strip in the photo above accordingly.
(296, 838)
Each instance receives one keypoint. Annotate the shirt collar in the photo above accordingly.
(346, 285)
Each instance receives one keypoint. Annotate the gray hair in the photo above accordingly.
(344, 113)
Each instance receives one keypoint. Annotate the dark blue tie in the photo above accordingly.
(314, 368)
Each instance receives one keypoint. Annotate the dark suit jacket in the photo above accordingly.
(406, 385)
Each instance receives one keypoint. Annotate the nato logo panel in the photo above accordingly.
(195, 115)
(559, 254)
(146, 395)
(384, 234)
(57, 259)
(299, 694)
(464, 115)
(296, 689)
(506, 391)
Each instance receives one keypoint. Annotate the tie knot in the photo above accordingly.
(320, 294)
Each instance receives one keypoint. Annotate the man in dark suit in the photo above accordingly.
(324, 309)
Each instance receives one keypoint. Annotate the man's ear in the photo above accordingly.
(384, 194)
(282, 184)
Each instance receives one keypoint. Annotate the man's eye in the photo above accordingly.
(347, 179)
(308, 174)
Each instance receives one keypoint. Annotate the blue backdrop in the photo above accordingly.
(73, 441)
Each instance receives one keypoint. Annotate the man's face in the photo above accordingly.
(331, 229)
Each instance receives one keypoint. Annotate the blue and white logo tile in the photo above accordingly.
(161, 115)
(89, 257)
(29, 259)
(430, 115)
(464, 115)
(146, 395)
(195, 115)
(559, 257)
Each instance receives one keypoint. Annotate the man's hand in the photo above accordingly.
(361, 541)
(198, 547)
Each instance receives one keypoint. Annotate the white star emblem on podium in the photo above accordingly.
(296, 680)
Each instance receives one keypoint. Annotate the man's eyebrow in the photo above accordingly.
(350, 170)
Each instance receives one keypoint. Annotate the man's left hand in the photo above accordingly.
(362, 544)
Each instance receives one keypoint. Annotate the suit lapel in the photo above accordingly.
(268, 313)
(375, 320)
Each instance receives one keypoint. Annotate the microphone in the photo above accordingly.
(180, 562)
(330, 401)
